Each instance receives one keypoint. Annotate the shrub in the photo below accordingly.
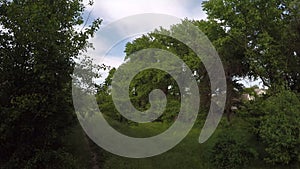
(52, 160)
(280, 128)
(229, 152)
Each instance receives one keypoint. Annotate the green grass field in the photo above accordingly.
(189, 154)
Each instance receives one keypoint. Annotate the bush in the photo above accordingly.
(46, 159)
(229, 152)
(171, 112)
(280, 128)
(52, 160)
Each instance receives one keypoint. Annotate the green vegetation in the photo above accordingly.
(38, 45)
(40, 41)
(77, 143)
(262, 133)
(244, 152)
(275, 122)
(232, 151)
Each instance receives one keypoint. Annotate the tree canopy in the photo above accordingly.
(38, 45)
(266, 34)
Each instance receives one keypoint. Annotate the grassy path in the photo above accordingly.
(188, 154)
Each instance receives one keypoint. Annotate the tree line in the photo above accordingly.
(39, 44)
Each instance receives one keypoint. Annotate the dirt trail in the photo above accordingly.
(94, 162)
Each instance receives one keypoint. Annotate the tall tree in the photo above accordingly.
(38, 44)
(231, 55)
(267, 34)
(148, 80)
(234, 63)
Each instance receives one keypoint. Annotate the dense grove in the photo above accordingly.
(40, 41)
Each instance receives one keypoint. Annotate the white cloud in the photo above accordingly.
(111, 10)
(113, 61)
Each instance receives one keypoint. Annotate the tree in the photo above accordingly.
(266, 32)
(265, 35)
(146, 81)
(234, 63)
(104, 98)
(274, 120)
(38, 45)
(279, 128)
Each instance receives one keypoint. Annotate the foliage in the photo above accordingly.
(250, 90)
(265, 34)
(38, 45)
(104, 99)
(52, 160)
(231, 151)
(171, 112)
(279, 129)
(46, 159)
(275, 122)
(255, 39)
(146, 81)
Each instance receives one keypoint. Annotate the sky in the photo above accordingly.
(113, 10)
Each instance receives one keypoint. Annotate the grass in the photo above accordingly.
(189, 154)
(185, 155)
